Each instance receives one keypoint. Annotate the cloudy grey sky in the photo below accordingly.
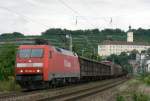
(35, 16)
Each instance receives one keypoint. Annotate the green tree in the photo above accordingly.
(114, 58)
(11, 36)
(17, 34)
(7, 60)
(122, 60)
(132, 54)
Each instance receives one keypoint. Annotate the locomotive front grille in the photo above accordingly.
(29, 77)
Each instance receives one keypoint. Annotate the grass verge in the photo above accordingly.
(9, 85)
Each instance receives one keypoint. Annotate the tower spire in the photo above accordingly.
(129, 28)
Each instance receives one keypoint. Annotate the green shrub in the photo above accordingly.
(144, 77)
(120, 98)
(7, 60)
(140, 97)
(9, 85)
(147, 80)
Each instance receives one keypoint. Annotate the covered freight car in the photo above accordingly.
(116, 70)
(90, 69)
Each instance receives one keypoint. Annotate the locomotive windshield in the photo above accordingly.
(24, 53)
(27, 53)
(36, 52)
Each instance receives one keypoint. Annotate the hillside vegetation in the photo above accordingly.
(84, 41)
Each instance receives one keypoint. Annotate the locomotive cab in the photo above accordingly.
(30, 62)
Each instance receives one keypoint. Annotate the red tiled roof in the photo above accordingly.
(108, 42)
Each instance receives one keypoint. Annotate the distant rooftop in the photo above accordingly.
(108, 42)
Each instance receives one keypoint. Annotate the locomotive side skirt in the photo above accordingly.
(63, 75)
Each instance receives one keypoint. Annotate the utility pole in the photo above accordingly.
(82, 51)
(70, 41)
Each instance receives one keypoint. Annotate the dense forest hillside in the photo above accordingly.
(84, 41)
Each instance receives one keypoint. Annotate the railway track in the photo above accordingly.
(17, 95)
(67, 93)
(77, 95)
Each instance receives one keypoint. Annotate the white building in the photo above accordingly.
(116, 47)
(143, 59)
(147, 65)
(130, 36)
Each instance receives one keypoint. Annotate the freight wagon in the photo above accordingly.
(91, 69)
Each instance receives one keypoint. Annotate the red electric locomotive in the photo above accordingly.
(44, 65)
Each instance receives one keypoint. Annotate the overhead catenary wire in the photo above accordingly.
(24, 17)
(92, 10)
(77, 16)
(43, 25)
(75, 12)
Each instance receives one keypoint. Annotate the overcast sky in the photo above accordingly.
(35, 16)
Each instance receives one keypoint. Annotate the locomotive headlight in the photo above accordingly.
(21, 71)
(38, 70)
(37, 64)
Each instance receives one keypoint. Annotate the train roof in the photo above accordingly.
(33, 46)
(60, 50)
(108, 63)
(65, 52)
(93, 60)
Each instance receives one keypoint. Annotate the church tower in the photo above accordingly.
(130, 35)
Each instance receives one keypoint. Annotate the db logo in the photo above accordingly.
(67, 63)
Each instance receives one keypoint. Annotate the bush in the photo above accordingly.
(144, 77)
(120, 98)
(140, 97)
(9, 85)
(7, 61)
(147, 80)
